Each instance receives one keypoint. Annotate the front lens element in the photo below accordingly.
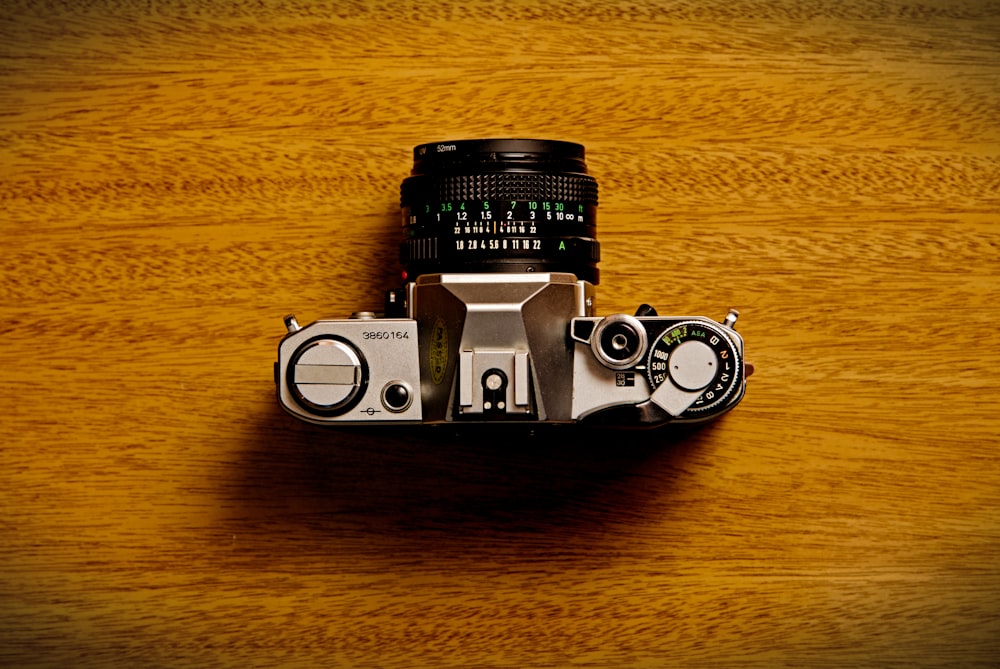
(500, 205)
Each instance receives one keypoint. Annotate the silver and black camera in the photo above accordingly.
(495, 321)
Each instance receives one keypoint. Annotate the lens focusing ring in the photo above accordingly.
(499, 185)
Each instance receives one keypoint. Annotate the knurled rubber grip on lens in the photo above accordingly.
(498, 185)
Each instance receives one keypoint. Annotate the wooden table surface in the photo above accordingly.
(176, 176)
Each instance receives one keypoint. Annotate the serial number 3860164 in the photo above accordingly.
(385, 334)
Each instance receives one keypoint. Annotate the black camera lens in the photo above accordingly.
(500, 205)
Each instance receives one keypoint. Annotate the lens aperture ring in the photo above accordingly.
(498, 185)
(577, 249)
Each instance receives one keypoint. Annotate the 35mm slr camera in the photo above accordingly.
(495, 322)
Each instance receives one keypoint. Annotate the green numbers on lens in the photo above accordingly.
(501, 217)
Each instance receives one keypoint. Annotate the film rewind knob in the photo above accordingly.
(327, 376)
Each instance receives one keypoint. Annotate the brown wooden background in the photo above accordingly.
(176, 176)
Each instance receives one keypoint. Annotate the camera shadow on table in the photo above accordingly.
(427, 490)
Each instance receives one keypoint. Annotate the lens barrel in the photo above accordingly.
(500, 205)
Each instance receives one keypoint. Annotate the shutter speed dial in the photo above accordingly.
(695, 356)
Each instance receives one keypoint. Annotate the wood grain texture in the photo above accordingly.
(176, 176)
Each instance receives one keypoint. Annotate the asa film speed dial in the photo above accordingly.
(698, 359)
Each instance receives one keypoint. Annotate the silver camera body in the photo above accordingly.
(505, 331)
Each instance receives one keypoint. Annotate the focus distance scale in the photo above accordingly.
(502, 227)
(494, 321)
